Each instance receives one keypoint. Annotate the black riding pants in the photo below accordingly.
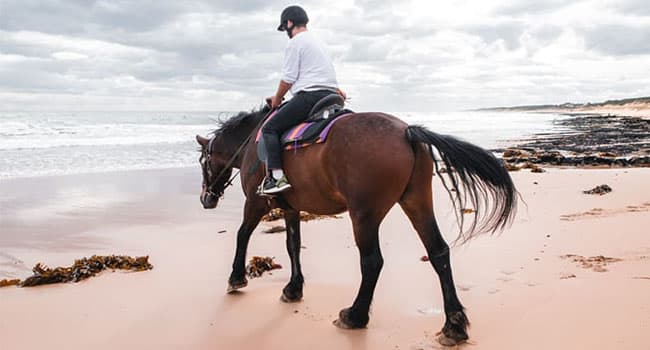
(292, 113)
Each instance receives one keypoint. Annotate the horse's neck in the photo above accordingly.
(241, 136)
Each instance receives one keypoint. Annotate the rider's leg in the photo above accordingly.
(291, 114)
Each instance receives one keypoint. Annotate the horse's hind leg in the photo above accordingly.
(366, 234)
(292, 292)
(417, 204)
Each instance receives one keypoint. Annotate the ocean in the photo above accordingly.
(58, 143)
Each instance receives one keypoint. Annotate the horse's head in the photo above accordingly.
(222, 152)
(213, 166)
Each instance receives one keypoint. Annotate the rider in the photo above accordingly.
(309, 74)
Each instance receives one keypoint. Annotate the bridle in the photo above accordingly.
(209, 189)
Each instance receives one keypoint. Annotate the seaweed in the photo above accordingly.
(6, 282)
(277, 214)
(81, 269)
(275, 229)
(599, 190)
(258, 265)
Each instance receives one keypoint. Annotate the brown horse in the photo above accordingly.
(370, 162)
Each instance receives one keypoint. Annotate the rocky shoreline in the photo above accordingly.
(585, 140)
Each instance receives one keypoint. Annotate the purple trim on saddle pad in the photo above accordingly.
(321, 137)
(323, 134)
(296, 132)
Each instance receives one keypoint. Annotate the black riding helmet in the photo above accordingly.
(295, 14)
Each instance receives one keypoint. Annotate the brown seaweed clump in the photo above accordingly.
(277, 214)
(599, 190)
(82, 269)
(275, 229)
(258, 265)
(6, 282)
(596, 263)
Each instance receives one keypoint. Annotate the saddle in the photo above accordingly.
(314, 129)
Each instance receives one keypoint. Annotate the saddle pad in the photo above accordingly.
(308, 133)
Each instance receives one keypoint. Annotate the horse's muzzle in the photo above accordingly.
(209, 200)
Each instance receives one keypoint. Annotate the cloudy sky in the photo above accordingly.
(389, 55)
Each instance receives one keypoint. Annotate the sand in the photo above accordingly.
(519, 291)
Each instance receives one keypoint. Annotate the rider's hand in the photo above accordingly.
(275, 102)
(340, 92)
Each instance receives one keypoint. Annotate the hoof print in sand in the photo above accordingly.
(596, 213)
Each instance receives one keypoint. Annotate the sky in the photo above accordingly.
(419, 56)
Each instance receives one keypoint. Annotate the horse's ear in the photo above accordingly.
(202, 140)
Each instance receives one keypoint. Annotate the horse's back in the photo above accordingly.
(366, 158)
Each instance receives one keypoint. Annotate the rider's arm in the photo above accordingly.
(290, 71)
(283, 87)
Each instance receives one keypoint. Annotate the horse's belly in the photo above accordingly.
(312, 187)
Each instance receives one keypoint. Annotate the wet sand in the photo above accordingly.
(518, 289)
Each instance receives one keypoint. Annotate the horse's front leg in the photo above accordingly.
(292, 292)
(254, 209)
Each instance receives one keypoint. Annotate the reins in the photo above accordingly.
(231, 161)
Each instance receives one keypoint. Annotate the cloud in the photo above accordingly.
(525, 7)
(410, 55)
(618, 39)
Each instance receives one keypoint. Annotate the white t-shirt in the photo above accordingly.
(307, 65)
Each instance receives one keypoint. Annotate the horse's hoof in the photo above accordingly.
(345, 322)
(287, 299)
(451, 339)
(446, 341)
(340, 324)
(233, 287)
(291, 293)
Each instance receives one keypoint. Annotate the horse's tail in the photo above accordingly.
(478, 173)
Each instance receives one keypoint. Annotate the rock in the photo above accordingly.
(552, 157)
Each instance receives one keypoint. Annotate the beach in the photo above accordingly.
(519, 288)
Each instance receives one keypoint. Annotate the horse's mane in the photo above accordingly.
(233, 123)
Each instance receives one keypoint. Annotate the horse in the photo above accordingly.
(369, 162)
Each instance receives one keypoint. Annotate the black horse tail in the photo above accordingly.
(483, 179)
